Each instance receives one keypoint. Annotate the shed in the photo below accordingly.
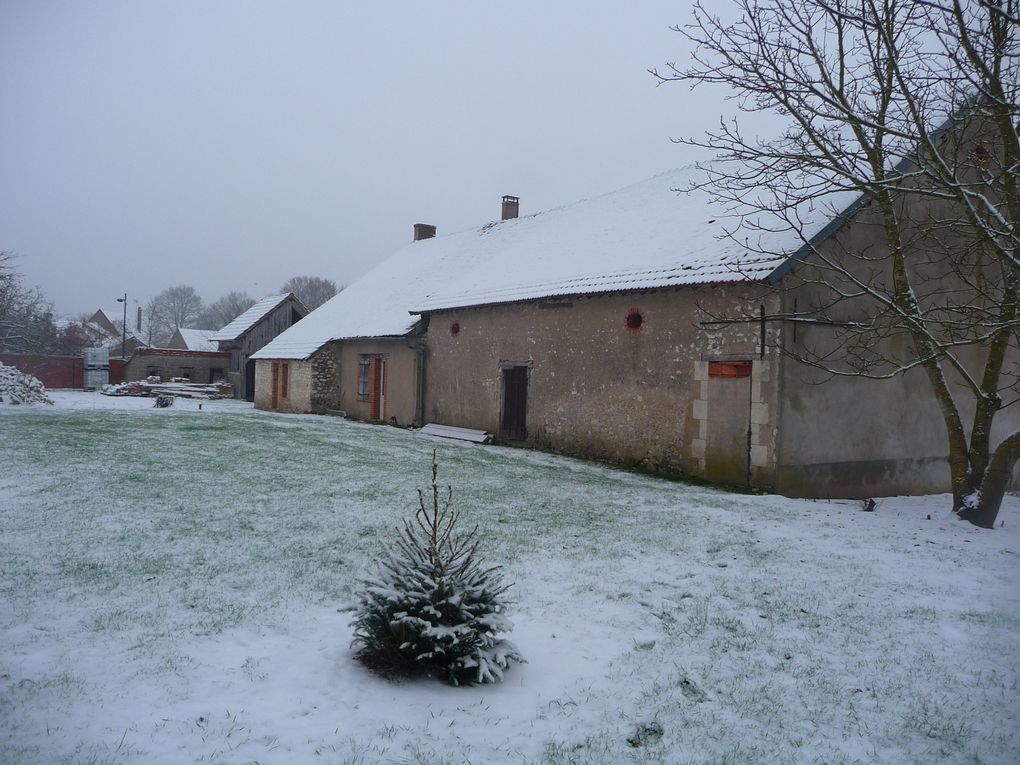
(251, 331)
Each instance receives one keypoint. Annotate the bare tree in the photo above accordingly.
(26, 317)
(312, 291)
(171, 309)
(73, 338)
(154, 331)
(224, 310)
(864, 86)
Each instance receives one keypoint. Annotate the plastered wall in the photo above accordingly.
(849, 436)
(333, 379)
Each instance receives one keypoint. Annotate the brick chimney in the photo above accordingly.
(138, 324)
(423, 231)
(511, 206)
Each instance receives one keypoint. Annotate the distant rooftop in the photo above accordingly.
(199, 339)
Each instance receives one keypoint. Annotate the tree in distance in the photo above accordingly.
(171, 309)
(224, 310)
(26, 316)
(312, 291)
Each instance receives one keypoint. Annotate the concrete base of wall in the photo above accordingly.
(859, 480)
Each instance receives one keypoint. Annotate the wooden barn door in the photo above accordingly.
(728, 447)
(513, 426)
(249, 380)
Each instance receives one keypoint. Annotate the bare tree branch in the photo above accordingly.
(910, 109)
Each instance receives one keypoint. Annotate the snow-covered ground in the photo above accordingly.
(170, 586)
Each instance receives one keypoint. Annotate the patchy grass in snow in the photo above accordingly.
(170, 583)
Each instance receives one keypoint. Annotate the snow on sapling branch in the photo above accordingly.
(431, 608)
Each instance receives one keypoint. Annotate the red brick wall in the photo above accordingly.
(52, 371)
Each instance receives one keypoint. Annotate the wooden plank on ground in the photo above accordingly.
(460, 434)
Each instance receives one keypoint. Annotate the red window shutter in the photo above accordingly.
(284, 378)
(373, 390)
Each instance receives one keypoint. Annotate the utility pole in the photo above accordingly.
(123, 328)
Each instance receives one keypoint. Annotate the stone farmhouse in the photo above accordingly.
(594, 330)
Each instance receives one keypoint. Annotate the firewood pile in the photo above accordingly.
(178, 389)
(17, 387)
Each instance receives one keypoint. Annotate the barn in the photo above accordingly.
(642, 327)
(252, 330)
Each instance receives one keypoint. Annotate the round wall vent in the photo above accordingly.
(635, 320)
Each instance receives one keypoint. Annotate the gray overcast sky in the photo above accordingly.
(231, 145)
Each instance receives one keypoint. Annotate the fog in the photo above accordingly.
(231, 145)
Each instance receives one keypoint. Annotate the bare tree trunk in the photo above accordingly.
(863, 86)
(982, 507)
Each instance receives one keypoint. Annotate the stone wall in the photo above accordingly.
(325, 379)
(299, 387)
(605, 384)
(328, 381)
(205, 366)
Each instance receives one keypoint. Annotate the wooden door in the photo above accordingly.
(249, 380)
(513, 426)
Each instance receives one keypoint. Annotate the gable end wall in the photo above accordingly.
(859, 437)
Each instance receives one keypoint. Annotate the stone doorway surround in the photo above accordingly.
(760, 416)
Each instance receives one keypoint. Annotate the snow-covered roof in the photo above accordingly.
(115, 316)
(99, 331)
(108, 315)
(198, 339)
(249, 318)
(641, 237)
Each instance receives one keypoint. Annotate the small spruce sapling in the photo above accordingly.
(431, 607)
